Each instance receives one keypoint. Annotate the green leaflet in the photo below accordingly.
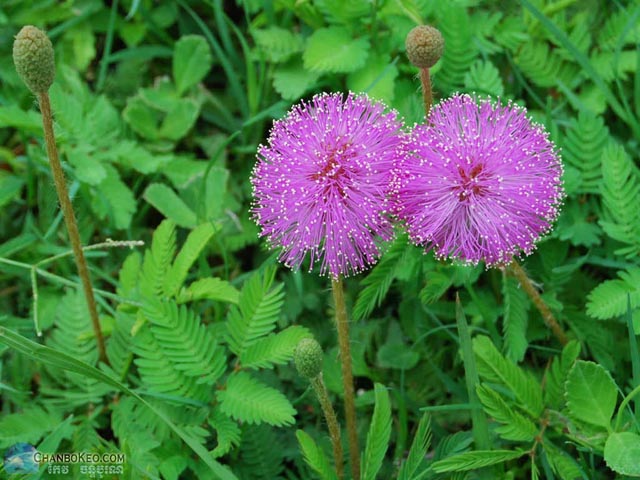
(493, 367)
(460, 51)
(418, 449)
(620, 190)
(515, 319)
(275, 348)
(591, 394)
(333, 49)
(515, 426)
(379, 434)
(249, 400)
(621, 452)
(583, 143)
(609, 299)
(472, 460)
(256, 315)
(191, 61)
(557, 374)
(315, 457)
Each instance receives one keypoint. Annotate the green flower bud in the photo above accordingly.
(308, 358)
(34, 59)
(424, 46)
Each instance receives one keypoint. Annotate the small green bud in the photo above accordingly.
(308, 358)
(424, 46)
(34, 59)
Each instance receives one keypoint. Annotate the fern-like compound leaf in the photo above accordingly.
(249, 400)
(196, 241)
(315, 457)
(493, 367)
(227, 432)
(620, 191)
(157, 260)
(557, 374)
(609, 299)
(583, 143)
(274, 349)
(418, 450)
(515, 426)
(256, 315)
(516, 313)
(379, 434)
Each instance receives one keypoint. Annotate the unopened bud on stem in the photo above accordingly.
(308, 358)
(34, 59)
(425, 45)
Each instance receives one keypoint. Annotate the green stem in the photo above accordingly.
(478, 418)
(342, 326)
(65, 281)
(70, 219)
(517, 271)
(108, 44)
(479, 424)
(332, 422)
(623, 405)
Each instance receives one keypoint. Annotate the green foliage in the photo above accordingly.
(248, 400)
(227, 433)
(609, 299)
(515, 426)
(477, 459)
(419, 448)
(379, 434)
(583, 144)
(277, 44)
(191, 62)
(460, 50)
(276, 348)
(620, 187)
(493, 367)
(333, 50)
(167, 202)
(516, 313)
(591, 394)
(258, 311)
(484, 78)
(621, 452)
(29, 425)
(315, 457)
(557, 374)
(377, 283)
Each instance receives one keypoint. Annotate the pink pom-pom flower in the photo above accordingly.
(322, 184)
(480, 182)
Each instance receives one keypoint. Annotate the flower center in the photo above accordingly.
(333, 172)
(470, 183)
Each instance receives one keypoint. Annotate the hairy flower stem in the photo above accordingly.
(70, 218)
(427, 94)
(342, 326)
(332, 422)
(517, 271)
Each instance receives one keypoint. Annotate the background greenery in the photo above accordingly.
(159, 108)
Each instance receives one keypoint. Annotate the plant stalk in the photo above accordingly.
(342, 326)
(427, 94)
(549, 319)
(70, 219)
(332, 423)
